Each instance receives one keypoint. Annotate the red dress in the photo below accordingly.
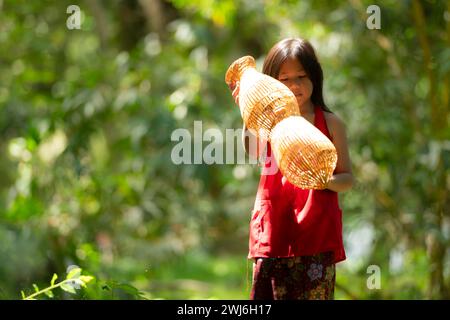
(288, 221)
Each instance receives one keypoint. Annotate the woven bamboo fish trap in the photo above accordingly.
(305, 156)
(263, 100)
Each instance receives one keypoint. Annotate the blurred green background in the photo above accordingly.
(86, 176)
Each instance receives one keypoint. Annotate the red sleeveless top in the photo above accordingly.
(288, 221)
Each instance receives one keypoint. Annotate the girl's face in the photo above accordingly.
(295, 78)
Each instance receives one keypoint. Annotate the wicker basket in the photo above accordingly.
(263, 100)
(305, 156)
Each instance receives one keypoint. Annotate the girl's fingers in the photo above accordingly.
(236, 88)
(235, 93)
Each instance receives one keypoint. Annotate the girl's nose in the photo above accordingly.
(294, 85)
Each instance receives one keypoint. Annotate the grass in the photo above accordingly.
(200, 276)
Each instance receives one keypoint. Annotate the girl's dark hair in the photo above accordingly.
(303, 51)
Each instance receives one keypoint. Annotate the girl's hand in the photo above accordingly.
(329, 184)
(235, 93)
(342, 178)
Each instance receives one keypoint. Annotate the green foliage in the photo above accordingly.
(74, 280)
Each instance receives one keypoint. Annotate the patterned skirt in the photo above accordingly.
(294, 278)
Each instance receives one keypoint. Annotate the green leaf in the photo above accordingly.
(130, 289)
(49, 294)
(77, 282)
(36, 288)
(106, 287)
(68, 288)
(23, 294)
(55, 276)
(74, 273)
(86, 279)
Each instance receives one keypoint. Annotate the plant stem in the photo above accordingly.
(46, 289)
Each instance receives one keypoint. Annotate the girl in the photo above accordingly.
(296, 234)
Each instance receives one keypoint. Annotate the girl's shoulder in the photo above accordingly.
(335, 124)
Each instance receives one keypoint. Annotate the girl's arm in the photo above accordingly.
(342, 178)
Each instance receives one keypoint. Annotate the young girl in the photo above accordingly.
(296, 234)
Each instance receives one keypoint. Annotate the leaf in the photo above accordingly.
(23, 294)
(49, 294)
(36, 288)
(74, 273)
(86, 279)
(68, 288)
(130, 289)
(76, 283)
(55, 276)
